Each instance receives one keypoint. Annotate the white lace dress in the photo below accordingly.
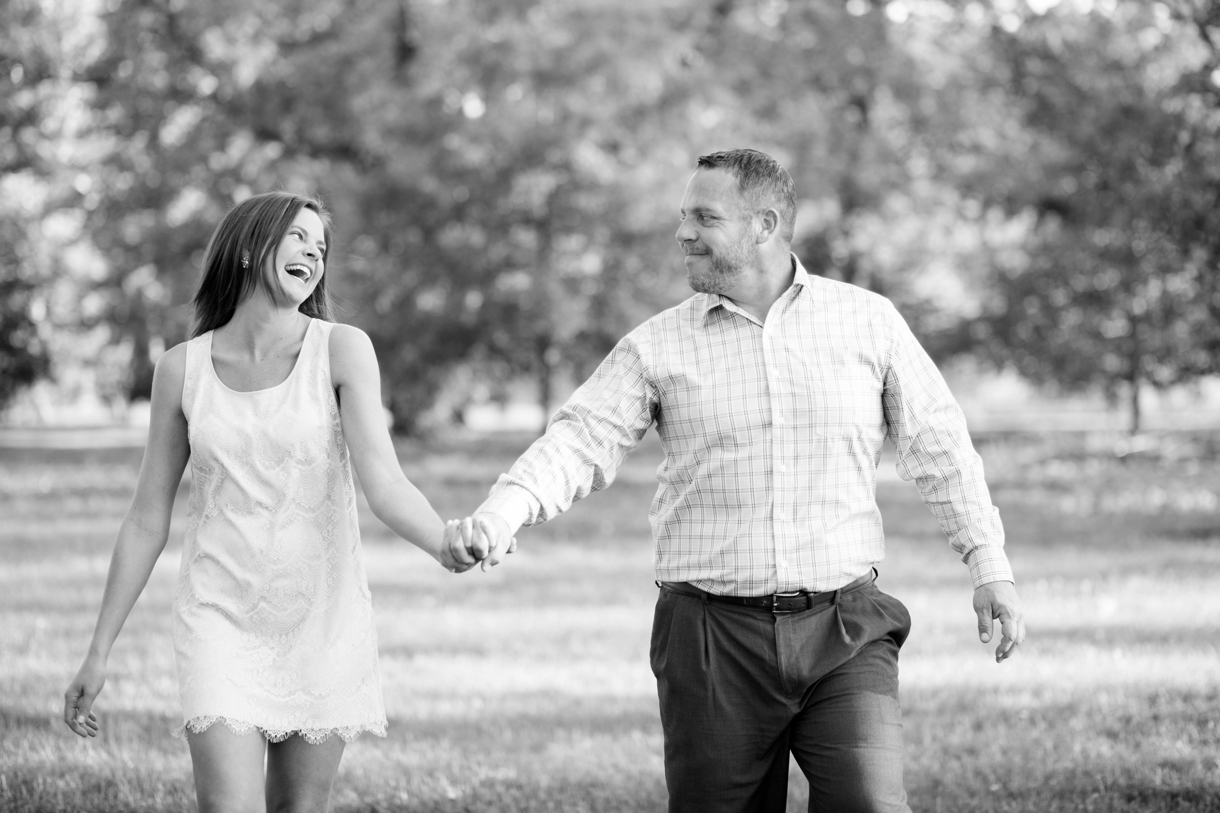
(273, 620)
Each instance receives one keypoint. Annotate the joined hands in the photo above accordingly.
(483, 539)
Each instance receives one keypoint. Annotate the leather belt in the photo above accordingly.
(777, 603)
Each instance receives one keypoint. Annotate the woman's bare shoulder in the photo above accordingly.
(173, 362)
(351, 352)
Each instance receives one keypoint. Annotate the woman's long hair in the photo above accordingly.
(252, 231)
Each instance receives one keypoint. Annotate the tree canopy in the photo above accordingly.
(1032, 182)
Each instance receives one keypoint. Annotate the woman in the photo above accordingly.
(273, 627)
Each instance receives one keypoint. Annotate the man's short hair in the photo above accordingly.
(762, 181)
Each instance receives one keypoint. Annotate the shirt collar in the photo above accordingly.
(800, 282)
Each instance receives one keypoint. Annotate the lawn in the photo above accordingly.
(528, 688)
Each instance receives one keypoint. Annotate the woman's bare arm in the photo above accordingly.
(393, 498)
(141, 536)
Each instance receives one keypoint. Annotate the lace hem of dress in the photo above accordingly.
(313, 736)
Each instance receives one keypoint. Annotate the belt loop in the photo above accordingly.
(703, 595)
(838, 594)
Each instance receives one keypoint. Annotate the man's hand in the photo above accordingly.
(999, 600)
(488, 538)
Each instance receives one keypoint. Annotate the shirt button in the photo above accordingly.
(779, 420)
(779, 513)
(782, 563)
(780, 467)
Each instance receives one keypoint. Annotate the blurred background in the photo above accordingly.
(1034, 183)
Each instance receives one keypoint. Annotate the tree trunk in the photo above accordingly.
(546, 372)
(1135, 403)
(546, 301)
(140, 384)
(1136, 353)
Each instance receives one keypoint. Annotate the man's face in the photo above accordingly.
(715, 233)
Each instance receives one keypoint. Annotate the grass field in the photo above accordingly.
(528, 689)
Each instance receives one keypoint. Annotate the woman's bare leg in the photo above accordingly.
(300, 775)
(229, 775)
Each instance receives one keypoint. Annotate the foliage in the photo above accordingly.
(1032, 181)
(22, 359)
(27, 80)
(1117, 282)
(461, 160)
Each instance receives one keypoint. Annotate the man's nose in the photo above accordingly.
(686, 233)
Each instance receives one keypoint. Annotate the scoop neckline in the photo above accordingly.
(295, 366)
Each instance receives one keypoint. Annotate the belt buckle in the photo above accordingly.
(775, 597)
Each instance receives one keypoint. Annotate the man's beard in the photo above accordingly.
(726, 270)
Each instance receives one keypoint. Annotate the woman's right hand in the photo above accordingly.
(78, 700)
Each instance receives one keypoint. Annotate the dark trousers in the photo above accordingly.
(741, 688)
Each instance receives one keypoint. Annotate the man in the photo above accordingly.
(772, 391)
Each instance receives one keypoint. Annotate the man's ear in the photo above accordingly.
(768, 225)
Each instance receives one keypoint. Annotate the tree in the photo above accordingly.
(1115, 285)
(465, 174)
(504, 173)
(29, 87)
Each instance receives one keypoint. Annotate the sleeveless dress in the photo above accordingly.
(273, 619)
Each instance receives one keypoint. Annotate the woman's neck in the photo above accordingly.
(260, 328)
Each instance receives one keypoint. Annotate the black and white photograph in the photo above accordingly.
(610, 406)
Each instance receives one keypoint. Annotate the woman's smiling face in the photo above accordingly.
(297, 265)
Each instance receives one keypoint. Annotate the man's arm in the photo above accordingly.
(934, 449)
(581, 451)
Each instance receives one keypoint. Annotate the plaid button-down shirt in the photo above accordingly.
(772, 434)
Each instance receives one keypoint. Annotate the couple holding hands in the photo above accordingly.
(772, 391)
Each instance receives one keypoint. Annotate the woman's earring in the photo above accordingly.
(245, 261)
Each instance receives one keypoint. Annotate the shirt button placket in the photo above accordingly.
(778, 438)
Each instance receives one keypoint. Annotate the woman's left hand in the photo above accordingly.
(78, 699)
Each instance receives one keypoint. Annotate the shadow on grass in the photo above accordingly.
(1071, 793)
(536, 721)
(619, 795)
(537, 761)
(1150, 752)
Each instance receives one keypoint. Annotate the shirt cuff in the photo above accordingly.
(512, 503)
(987, 564)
